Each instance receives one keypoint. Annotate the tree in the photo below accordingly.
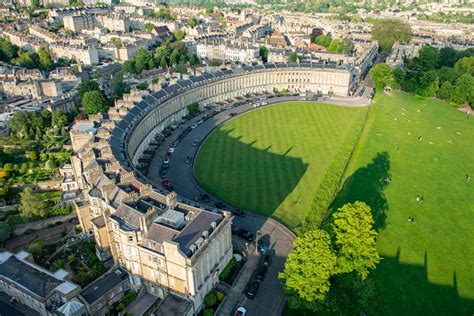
(447, 74)
(292, 57)
(163, 51)
(448, 56)
(35, 4)
(31, 204)
(428, 57)
(94, 102)
(86, 86)
(428, 85)
(323, 40)
(50, 165)
(45, 60)
(388, 31)
(163, 62)
(355, 239)
(179, 35)
(308, 270)
(8, 51)
(399, 76)
(28, 59)
(149, 27)
(264, 53)
(464, 90)
(5, 231)
(192, 22)
(465, 66)
(381, 75)
(117, 85)
(348, 46)
(193, 59)
(174, 58)
(128, 67)
(57, 264)
(335, 46)
(59, 119)
(445, 91)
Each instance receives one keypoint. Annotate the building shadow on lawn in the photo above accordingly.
(256, 172)
(408, 291)
(367, 184)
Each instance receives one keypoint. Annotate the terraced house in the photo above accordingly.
(168, 247)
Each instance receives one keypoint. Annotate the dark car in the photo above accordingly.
(163, 173)
(188, 159)
(220, 205)
(252, 290)
(267, 260)
(237, 211)
(243, 233)
(205, 198)
(261, 274)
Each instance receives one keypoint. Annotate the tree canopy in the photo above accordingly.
(381, 75)
(355, 239)
(308, 270)
(31, 204)
(94, 102)
(86, 86)
(388, 31)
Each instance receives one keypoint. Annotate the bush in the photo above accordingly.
(220, 296)
(210, 300)
(129, 297)
(5, 231)
(208, 312)
(57, 264)
(36, 249)
(225, 274)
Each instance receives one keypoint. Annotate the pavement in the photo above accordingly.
(271, 297)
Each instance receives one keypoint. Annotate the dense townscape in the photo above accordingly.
(236, 157)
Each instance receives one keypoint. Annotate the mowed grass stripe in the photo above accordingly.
(271, 160)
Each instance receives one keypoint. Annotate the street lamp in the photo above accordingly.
(256, 241)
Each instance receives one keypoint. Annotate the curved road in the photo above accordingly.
(270, 299)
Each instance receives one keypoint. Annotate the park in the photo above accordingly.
(405, 157)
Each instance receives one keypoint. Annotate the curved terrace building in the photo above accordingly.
(168, 246)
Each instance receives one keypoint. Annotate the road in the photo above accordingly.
(270, 299)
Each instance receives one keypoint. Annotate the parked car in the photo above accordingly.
(205, 198)
(252, 290)
(241, 311)
(261, 274)
(188, 159)
(237, 211)
(220, 205)
(195, 142)
(199, 122)
(194, 126)
(267, 260)
(163, 173)
(243, 233)
(166, 161)
(171, 150)
(175, 143)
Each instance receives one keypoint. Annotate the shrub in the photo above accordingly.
(210, 300)
(225, 274)
(208, 312)
(57, 264)
(129, 297)
(220, 296)
(5, 231)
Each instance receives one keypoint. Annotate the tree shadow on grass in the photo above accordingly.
(367, 184)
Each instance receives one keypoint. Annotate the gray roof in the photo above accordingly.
(173, 305)
(95, 290)
(36, 281)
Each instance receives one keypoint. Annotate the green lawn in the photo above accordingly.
(413, 147)
(272, 160)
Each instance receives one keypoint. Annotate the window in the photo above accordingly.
(130, 238)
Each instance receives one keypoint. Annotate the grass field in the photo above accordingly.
(413, 148)
(272, 160)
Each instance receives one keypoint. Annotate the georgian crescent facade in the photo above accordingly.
(167, 245)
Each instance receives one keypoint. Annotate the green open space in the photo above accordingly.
(413, 160)
(272, 160)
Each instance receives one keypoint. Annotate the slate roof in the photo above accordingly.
(97, 289)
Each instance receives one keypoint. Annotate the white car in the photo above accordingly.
(194, 126)
(241, 311)
(166, 161)
(171, 150)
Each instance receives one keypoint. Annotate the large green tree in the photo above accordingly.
(464, 90)
(388, 31)
(94, 102)
(354, 239)
(86, 86)
(323, 40)
(32, 204)
(445, 91)
(264, 53)
(308, 270)
(428, 85)
(381, 75)
(45, 60)
(465, 66)
(336, 46)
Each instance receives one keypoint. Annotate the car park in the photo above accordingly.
(252, 290)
